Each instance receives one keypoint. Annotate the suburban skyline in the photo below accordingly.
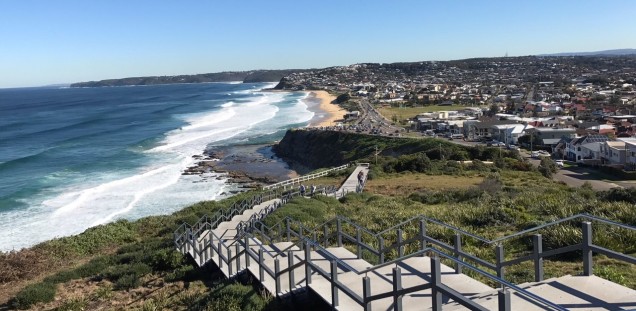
(71, 41)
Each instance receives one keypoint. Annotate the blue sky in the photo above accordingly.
(46, 42)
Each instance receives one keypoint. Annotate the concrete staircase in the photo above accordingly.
(289, 257)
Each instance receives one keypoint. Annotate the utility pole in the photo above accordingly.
(531, 139)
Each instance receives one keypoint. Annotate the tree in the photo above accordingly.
(494, 109)
(342, 98)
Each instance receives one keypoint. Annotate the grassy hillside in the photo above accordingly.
(133, 265)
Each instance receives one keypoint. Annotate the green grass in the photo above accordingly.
(485, 200)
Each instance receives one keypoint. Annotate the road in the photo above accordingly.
(575, 176)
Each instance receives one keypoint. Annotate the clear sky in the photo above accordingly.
(63, 41)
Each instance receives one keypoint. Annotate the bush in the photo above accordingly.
(547, 167)
(127, 276)
(128, 281)
(35, 293)
(618, 194)
(166, 259)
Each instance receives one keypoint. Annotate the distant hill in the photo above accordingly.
(618, 52)
(245, 76)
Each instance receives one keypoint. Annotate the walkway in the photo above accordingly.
(334, 261)
(352, 184)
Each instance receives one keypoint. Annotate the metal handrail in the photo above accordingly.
(499, 280)
(306, 177)
(556, 222)
(237, 206)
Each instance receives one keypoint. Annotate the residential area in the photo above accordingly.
(578, 109)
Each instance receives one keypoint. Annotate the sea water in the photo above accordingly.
(72, 158)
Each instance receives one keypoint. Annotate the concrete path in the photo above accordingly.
(351, 184)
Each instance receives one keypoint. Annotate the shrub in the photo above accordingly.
(127, 281)
(547, 167)
(34, 293)
(127, 276)
(618, 194)
(166, 259)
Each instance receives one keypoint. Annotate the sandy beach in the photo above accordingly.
(326, 113)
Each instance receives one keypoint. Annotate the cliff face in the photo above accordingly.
(313, 149)
(316, 149)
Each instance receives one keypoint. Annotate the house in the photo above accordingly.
(551, 136)
(478, 130)
(630, 155)
(613, 153)
(510, 133)
(585, 148)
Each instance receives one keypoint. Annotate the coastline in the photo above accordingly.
(325, 113)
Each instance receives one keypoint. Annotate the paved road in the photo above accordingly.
(576, 176)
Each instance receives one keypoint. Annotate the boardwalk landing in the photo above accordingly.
(283, 268)
(352, 184)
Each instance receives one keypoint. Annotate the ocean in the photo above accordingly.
(73, 158)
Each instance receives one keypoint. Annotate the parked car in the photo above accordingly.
(495, 143)
(539, 153)
(559, 163)
(513, 147)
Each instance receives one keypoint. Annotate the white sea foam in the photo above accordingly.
(159, 187)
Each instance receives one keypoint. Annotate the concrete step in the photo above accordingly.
(268, 252)
(319, 258)
(570, 292)
(415, 271)
(586, 293)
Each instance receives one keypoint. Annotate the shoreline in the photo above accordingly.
(320, 103)
(327, 113)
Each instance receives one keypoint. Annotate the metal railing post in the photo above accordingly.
(247, 251)
(334, 279)
(325, 236)
(381, 249)
(288, 226)
(458, 250)
(339, 232)
(238, 257)
(503, 297)
(436, 280)
(195, 251)
(290, 263)
(307, 265)
(229, 261)
(261, 264)
(499, 254)
(219, 252)
(400, 240)
(277, 275)
(397, 286)
(588, 266)
(366, 293)
(206, 250)
(422, 234)
(537, 252)
(359, 242)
